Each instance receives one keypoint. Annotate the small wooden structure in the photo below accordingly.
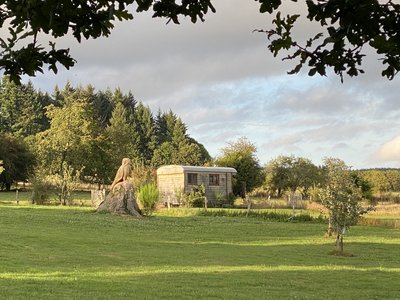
(175, 180)
(97, 196)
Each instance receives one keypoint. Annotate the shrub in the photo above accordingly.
(148, 195)
(141, 174)
(67, 181)
(40, 189)
(179, 195)
(231, 199)
(196, 197)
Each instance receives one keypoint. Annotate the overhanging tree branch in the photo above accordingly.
(21, 53)
(350, 25)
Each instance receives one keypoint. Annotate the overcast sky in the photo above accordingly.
(220, 78)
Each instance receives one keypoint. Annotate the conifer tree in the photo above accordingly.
(103, 108)
(146, 128)
(122, 140)
(32, 112)
(9, 104)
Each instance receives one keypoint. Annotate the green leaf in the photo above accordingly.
(312, 72)
(296, 70)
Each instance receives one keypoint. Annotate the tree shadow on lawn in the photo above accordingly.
(209, 281)
(365, 255)
(177, 255)
(75, 239)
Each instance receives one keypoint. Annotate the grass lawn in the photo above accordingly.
(75, 253)
(24, 197)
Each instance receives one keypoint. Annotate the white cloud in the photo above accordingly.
(389, 151)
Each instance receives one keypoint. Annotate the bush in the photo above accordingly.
(40, 190)
(66, 182)
(196, 197)
(220, 199)
(148, 195)
(141, 174)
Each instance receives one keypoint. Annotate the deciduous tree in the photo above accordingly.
(241, 155)
(341, 196)
(17, 160)
(68, 138)
(291, 173)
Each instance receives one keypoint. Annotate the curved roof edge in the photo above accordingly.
(174, 168)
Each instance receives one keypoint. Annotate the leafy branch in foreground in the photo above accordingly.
(349, 25)
(21, 52)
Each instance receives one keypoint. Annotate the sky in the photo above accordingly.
(221, 79)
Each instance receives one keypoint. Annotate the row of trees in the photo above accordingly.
(79, 134)
(78, 130)
(383, 181)
(288, 173)
(339, 189)
(86, 131)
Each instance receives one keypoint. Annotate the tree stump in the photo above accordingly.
(121, 200)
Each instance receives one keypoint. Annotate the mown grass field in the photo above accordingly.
(24, 197)
(58, 252)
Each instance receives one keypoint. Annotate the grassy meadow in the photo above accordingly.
(53, 252)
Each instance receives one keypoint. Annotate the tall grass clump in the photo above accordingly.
(148, 195)
(278, 216)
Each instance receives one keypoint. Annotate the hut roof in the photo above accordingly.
(181, 169)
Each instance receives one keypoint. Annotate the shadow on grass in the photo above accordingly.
(216, 282)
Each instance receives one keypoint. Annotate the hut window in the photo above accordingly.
(192, 178)
(214, 179)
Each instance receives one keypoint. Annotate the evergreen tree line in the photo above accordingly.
(77, 131)
(86, 131)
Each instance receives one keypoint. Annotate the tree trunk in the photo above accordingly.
(248, 206)
(329, 232)
(339, 242)
(63, 195)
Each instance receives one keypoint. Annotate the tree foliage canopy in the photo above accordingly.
(241, 155)
(349, 26)
(291, 173)
(16, 161)
(342, 197)
(90, 132)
